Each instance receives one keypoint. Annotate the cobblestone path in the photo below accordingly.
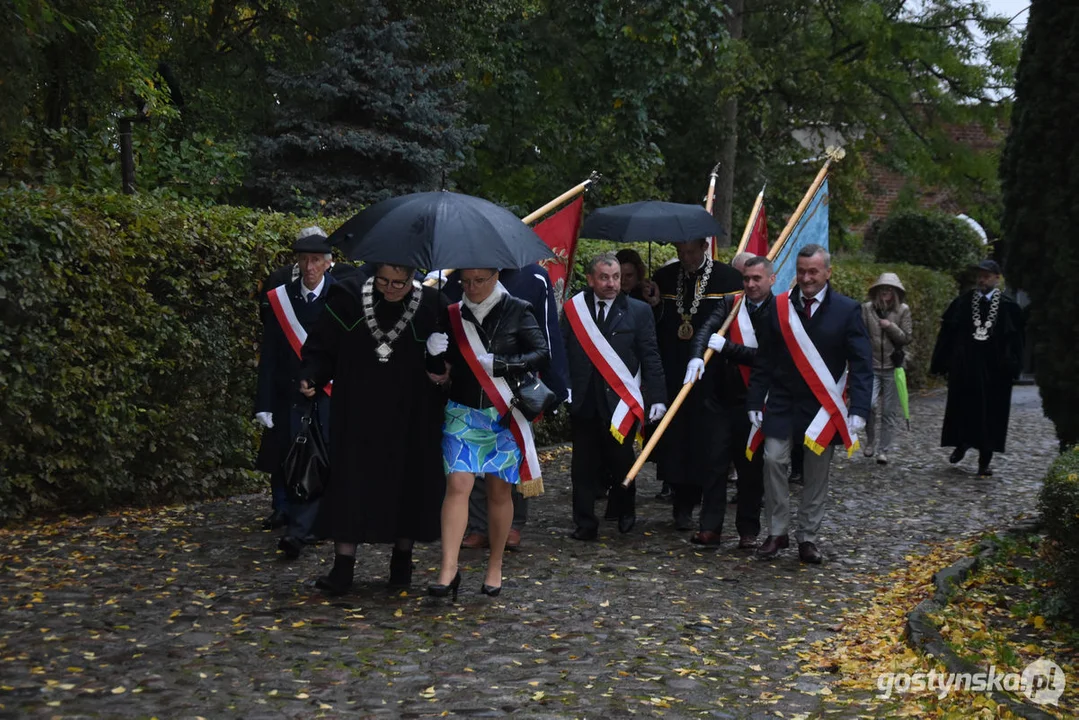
(185, 612)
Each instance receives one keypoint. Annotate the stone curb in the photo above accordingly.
(923, 635)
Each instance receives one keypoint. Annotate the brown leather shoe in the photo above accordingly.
(772, 545)
(513, 542)
(705, 537)
(808, 553)
(474, 541)
(747, 542)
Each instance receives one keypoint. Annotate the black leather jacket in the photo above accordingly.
(511, 334)
(730, 389)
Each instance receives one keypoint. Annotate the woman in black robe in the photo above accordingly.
(386, 480)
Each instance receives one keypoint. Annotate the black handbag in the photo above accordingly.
(531, 396)
(307, 465)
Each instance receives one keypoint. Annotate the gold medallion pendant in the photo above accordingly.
(685, 330)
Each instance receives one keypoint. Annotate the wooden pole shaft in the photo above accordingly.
(529, 219)
(681, 398)
(778, 244)
(750, 223)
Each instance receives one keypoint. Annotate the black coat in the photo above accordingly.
(386, 420)
(291, 273)
(838, 332)
(730, 389)
(682, 453)
(630, 329)
(980, 373)
(511, 334)
(279, 377)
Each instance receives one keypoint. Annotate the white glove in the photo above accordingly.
(569, 396)
(436, 277)
(857, 423)
(656, 412)
(437, 343)
(265, 418)
(756, 417)
(716, 342)
(694, 371)
(487, 362)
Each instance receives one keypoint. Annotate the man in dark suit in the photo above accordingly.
(292, 308)
(616, 385)
(290, 273)
(689, 291)
(811, 339)
(736, 353)
(533, 285)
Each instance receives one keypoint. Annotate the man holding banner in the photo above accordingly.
(616, 385)
(734, 433)
(813, 348)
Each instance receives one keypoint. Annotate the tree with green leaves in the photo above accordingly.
(372, 119)
(1041, 205)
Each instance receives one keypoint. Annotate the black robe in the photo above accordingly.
(685, 453)
(980, 373)
(386, 473)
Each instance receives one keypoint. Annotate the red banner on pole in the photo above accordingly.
(758, 237)
(560, 233)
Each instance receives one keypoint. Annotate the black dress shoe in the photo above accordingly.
(772, 545)
(808, 553)
(290, 546)
(582, 534)
(626, 522)
(446, 590)
(275, 520)
(985, 471)
(705, 537)
(957, 455)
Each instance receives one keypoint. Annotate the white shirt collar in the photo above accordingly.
(305, 291)
(989, 295)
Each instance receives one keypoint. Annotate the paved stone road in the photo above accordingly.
(185, 612)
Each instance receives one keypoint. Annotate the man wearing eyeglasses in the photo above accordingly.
(292, 309)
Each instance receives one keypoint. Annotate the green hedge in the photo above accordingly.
(928, 238)
(1059, 505)
(127, 348)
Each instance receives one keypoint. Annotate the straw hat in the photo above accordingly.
(889, 280)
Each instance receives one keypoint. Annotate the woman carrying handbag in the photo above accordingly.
(890, 326)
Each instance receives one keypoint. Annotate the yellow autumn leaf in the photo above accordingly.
(119, 690)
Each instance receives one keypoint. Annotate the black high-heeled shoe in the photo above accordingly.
(445, 590)
(490, 590)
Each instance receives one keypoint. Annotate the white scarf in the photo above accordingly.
(480, 309)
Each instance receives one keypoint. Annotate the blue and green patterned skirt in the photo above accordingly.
(473, 441)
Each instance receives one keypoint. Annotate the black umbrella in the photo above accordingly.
(651, 220)
(436, 230)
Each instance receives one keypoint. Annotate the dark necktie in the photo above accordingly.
(808, 302)
(600, 312)
(311, 297)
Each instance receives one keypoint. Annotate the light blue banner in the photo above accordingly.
(812, 227)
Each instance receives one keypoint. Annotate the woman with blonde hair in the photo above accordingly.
(889, 322)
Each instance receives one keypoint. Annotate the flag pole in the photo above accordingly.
(709, 201)
(571, 193)
(752, 222)
(833, 154)
(532, 217)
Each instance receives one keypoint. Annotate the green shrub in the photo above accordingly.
(930, 239)
(928, 293)
(127, 348)
(1059, 505)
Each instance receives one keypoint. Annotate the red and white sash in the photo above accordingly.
(611, 367)
(742, 333)
(832, 417)
(290, 324)
(497, 389)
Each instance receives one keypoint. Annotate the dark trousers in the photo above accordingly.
(731, 445)
(477, 509)
(599, 462)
